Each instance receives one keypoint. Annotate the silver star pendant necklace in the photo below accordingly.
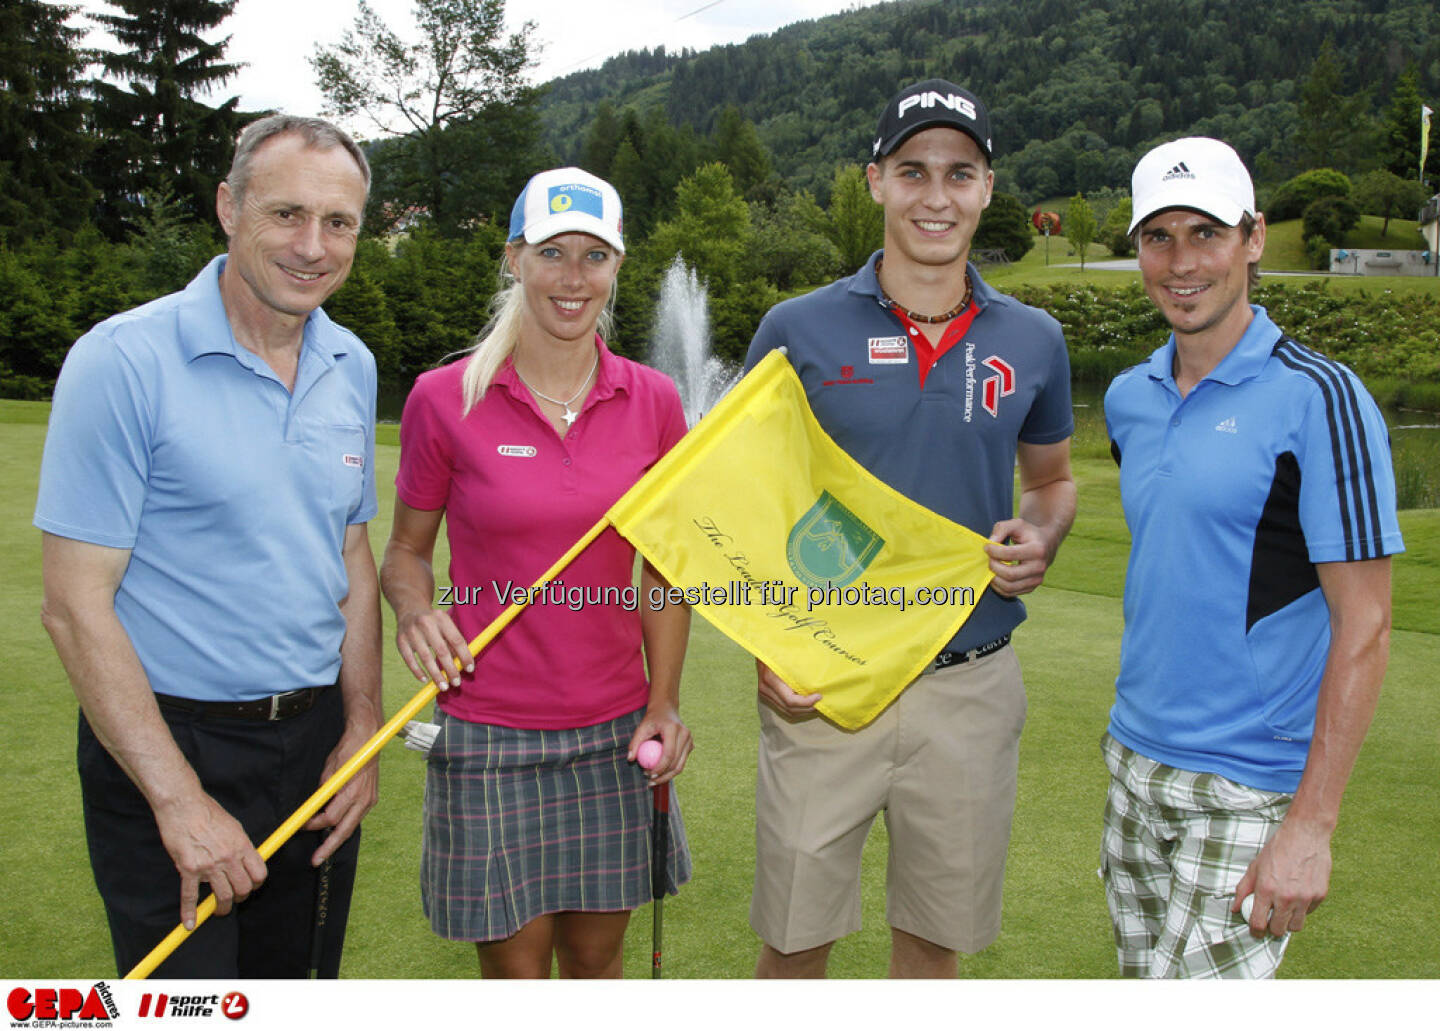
(569, 416)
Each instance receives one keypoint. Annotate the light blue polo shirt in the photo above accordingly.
(232, 493)
(1277, 460)
(951, 444)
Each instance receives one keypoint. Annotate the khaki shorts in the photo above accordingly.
(940, 762)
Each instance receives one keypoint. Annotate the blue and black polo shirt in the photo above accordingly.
(938, 424)
(1277, 460)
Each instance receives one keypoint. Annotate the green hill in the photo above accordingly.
(1076, 92)
(1285, 245)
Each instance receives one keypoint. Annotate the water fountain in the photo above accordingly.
(680, 343)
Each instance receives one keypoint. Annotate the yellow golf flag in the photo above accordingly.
(766, 527)
(1425, 113)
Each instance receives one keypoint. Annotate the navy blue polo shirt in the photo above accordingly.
(949, 444)
(1277, 460)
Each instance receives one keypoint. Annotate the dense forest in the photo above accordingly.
(1076, 91)
(745, 160)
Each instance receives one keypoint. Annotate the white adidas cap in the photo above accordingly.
(567, 200)
(1196, 172)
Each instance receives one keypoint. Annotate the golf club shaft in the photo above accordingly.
(659, 868)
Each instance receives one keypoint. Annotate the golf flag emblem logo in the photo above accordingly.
(576, 197)
(829, 545)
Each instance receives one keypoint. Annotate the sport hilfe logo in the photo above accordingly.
(233, 1005)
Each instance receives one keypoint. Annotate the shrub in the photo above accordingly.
(1317, 252)
(1005, 225)
(1384, 336)
(1291, 199)
(1330, 218)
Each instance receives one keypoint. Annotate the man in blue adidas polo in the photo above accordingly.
(1256, 480)
(209, 585)
(940, 386)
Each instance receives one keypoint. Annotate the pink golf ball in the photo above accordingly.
(648, 754)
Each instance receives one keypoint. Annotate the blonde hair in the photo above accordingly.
(498, 340)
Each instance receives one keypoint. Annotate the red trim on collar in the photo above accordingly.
(926, 353)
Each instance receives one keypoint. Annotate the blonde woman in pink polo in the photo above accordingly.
(536, 841)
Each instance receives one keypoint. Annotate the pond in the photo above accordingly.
(1414, 445)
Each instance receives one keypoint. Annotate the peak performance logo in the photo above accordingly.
(48, 1007)
(993, 388)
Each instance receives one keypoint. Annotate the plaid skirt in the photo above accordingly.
(521, 823)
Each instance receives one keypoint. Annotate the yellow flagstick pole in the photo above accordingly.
(367, 751)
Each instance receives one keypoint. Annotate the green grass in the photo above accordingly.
(1285, 241)
(1284, 252)
(1402, 235)
(1381, 911)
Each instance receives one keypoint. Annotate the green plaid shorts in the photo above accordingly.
(1174, 847)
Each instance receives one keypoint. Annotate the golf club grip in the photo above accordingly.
(322, 914)
(659, 864)
(660, 853)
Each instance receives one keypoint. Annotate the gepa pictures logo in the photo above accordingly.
(43, 1007)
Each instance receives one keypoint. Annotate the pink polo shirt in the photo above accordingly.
(516, 496)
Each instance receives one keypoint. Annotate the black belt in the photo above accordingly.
(276, 707)
(947, 659)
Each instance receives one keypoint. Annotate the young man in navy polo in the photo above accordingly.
(1257, 484)
(940, 386)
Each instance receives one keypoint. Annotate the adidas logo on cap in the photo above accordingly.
(1180, 171)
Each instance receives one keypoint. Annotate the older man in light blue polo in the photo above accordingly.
(209, 585)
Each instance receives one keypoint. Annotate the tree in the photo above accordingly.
(41, 121)
(1383, 193)
(711, 227)
(1292, 198)
(789, 246)
(857, 223)
(170, 249)
(602, 140)
(1115, 233)
(1400, 126)
(1335, 124)
(737, 146)
(1005, 226)
(360, 305)
(156, 137)
(456, 101)
(1080, 225)
(34, 331)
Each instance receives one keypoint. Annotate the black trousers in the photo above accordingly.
(260, 772)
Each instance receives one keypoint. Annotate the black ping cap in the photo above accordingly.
(926, 105)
